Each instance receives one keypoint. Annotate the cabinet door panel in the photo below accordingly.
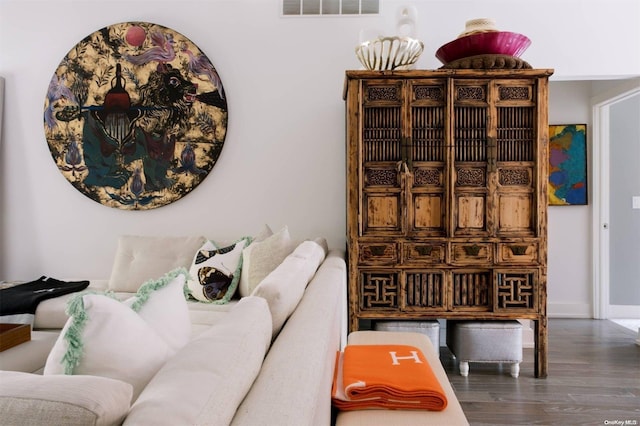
(428, 212)
(382, 213)
(470, 214)
(515, 213)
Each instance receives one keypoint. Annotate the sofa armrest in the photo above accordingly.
(302, 357)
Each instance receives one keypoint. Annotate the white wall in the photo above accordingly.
(283, 160)
(569, 255)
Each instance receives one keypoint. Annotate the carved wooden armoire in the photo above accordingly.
(447, 196)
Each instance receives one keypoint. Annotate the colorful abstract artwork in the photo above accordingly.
(567, 164)
(135, 116)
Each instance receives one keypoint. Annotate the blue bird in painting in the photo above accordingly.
(201, 65)
(137, 186)
(188, 161)
(162, 50)
(73, 158)
(57, 90)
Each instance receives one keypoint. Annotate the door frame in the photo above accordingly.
(600, 212)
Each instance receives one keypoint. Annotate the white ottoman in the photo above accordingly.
(429, 328)
(486, 341)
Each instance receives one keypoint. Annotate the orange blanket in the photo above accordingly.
(385, 376)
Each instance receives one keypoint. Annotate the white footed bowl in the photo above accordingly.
(389, 53)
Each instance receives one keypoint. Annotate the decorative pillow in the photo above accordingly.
(262, 257)
(31, 399)
(284, 286)
(108, 338)
(139, 258)
(162, 304)
(264, 233)
(207, 380)
(215, 271)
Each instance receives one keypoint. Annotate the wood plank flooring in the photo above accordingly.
(593, 379)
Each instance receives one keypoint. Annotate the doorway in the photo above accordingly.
(612, 210)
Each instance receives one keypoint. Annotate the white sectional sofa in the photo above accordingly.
(264, 359)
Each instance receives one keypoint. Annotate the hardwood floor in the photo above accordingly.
(593, 379)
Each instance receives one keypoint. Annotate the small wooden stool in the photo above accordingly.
(486, 341)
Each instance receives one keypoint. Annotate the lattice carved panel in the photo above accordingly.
(432, 93)
(425, 289)
(517, 93)
(470, 177)
(427, 177)
(383, 93)
(514, 177)
(471, 289)
(475, 93)
(381, 177)
(379, 290)
(516, 290)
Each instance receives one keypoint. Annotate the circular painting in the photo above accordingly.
(135, 116)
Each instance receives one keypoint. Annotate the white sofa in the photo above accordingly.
(264, 359)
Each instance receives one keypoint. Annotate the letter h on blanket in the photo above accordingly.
(396, 359)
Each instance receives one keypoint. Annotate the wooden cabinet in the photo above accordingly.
(447, 196)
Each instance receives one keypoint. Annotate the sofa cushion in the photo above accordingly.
(127, 341)
(31, 399)
(29, 356)
(215, 271)
(262, 257)
(207, 379)
(139, 258)
(284, 286)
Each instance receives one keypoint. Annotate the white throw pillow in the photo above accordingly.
(215, 271)
(139, 258)
(262, 257)
(162, 304)
(108, 338)
(284, 286)
(32, 399)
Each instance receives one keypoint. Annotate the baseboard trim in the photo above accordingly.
(624, 311)
(569, 310)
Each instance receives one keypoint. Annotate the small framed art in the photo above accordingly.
(567, 164)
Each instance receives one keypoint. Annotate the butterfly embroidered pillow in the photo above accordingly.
(215, 271)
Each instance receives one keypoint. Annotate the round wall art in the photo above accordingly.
(135, 116)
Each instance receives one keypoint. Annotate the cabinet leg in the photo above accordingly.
(540, 352)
